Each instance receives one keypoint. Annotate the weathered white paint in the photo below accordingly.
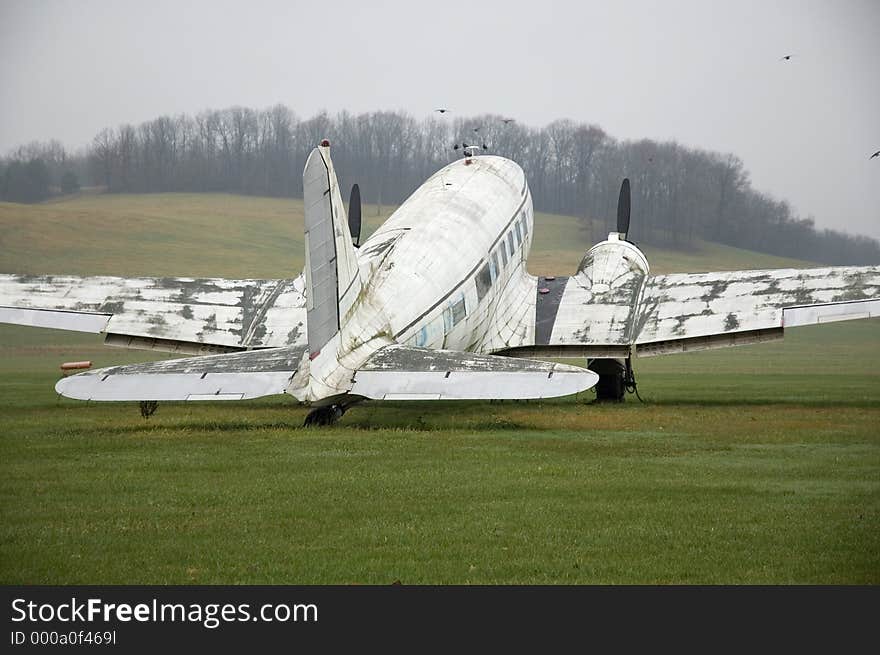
(445, 274)
(332, 279)
(233, 376)
(455, 375)
(422, 265)
(688, 305)
(173, 386)
(211, 311)
(600, 302)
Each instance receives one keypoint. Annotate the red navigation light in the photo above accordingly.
(325, 143)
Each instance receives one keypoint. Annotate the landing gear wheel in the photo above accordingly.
(616, 377)
(324, 415)
(612, 380)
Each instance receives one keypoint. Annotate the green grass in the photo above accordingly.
(207, 235)
(748, 465)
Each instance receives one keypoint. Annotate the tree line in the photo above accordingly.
(37, 171)
(680, 194)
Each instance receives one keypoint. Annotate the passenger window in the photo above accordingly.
(518, 234)
(447, 320)
(503, 252)
(422, 337)
(510, 243)
(459, 311)
(493, 266)
(484, 281)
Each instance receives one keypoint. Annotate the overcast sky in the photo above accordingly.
(705, 73)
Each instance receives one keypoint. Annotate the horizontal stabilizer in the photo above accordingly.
(234, 376)
(406, 373)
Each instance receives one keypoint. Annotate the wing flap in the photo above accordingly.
(407, 373)
(235, 376)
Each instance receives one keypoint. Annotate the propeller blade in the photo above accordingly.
(354, 215)
(623, 207)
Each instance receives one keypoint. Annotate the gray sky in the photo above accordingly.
(703, 72)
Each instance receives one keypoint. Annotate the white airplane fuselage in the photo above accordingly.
(445, 271)
(472, 218)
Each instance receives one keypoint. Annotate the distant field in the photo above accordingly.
(750, 465)
(214, 235)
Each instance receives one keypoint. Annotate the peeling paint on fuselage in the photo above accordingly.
(419, 272)
(426, 257)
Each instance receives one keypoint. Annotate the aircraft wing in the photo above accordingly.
(178, 314)
(408, 373)
(230, 376)
(689, 311)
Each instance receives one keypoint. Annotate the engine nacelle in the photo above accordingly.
(614, 266)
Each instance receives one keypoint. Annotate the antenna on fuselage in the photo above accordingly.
(469, 148)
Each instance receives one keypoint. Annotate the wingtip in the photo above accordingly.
(67, 386)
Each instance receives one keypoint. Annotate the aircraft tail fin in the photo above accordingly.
(332, 278)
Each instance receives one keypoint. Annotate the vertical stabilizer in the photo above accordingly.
(332, 279)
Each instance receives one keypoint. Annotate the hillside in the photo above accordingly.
(222, 235)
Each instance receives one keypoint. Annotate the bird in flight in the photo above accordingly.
(786, 57)
(442, 110)
(876, 154)
(507, 121)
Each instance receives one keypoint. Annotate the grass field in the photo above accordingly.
(749, 465)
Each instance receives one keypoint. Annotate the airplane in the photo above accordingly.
(436, 304)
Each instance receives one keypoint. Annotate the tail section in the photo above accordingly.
(332, 279)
